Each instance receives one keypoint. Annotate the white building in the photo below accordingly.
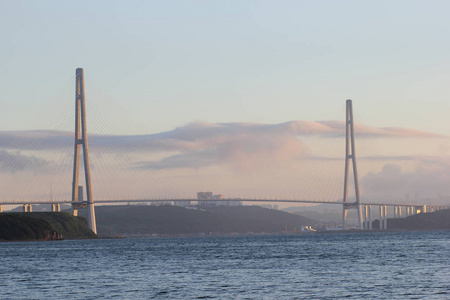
(208, 199)
(182, 203)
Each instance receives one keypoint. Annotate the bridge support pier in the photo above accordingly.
(397, 211)
(367, 222)
(368, 209)
(25, 208)
(383, 217)
(30, 208)
(344, 218)
(424, 209)
(56, 207)
(1, 209)
(364, 217)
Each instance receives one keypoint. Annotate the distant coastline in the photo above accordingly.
(171, 222)
(145, 221)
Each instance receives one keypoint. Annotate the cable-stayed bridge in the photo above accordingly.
(125, 152)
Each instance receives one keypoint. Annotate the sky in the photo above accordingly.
(169, 70)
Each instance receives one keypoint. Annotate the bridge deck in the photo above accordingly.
(221, 200)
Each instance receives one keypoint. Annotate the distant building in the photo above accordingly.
(203, 198)
(208, 199)
(182, 203)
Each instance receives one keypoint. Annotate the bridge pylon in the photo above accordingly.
(350, 155)
(81, 140)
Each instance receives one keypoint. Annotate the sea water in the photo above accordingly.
(394, 265)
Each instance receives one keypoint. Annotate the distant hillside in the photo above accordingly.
(260, 218)
(439, 220)
(146, 219)
(43, 226)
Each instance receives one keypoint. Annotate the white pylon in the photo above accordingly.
(350, 155)
(81, 139)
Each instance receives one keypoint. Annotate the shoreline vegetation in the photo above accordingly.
(43, 226)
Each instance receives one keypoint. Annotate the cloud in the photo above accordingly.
(429, 178)
(333, 128)
(36, 140)
(199, 144)
(269, 157)
(14, 162)
(197, 135)
(243, 152)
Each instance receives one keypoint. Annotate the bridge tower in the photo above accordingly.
(81, 140)
(350, 155)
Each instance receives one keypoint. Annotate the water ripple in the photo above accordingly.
(411, 265)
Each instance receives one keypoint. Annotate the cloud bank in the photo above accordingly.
(430, 178)
(200, 144)
(15, 162)
(278, 158)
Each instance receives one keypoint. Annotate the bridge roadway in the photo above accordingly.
(221, 200)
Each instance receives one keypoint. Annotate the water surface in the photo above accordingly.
(406, 265)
